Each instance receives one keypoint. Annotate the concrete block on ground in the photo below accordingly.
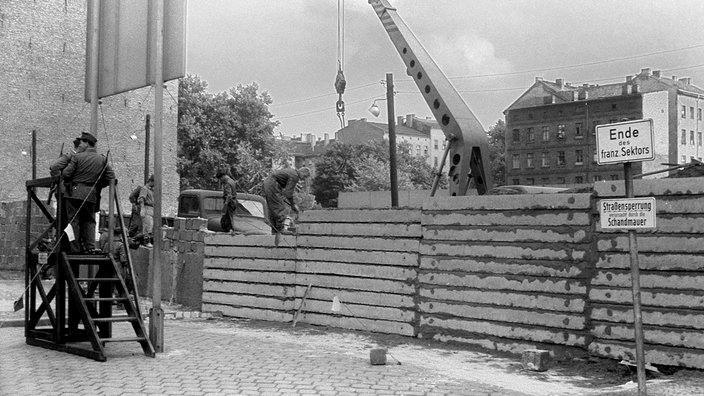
(377, 357)
(535, 359)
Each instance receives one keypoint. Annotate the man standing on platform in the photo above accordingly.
(86, 173)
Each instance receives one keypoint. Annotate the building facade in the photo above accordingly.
(42, 68)
(550, 129)
(424, 136)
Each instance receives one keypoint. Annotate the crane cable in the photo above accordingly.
(340, 82)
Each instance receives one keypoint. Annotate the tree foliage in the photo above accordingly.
(497, 152)
(231, 129)
(346, 167)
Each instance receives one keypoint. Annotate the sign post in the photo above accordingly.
(624, 142)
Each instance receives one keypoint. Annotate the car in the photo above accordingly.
(251, 215)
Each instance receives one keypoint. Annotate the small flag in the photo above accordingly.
(335, 304)
(19, 304)
(69, 233)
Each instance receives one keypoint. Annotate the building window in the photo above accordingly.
(545, 160)
(515, 181)
(613, 106)
(560, 180)
(691, 138)
(530, 181)
(578, 130)
(699, 139)
(684, 137)
(546, 133)
(435, 144)
(516, 136)
(579, 157)
(435, 162)
(579, 179)
(684, 111)
(683, 160)
(516, 161)
(530, 116)
(531, 135)
(529, 160)
(561, 131)
(691, 112)
(699, 114)
(560, 158)
(614, 177)
(597, 178)
(545, 180)
(418, 150)
(425, 150)
(444, 145)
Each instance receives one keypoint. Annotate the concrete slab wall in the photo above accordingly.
(503, 272)
(506, 272)
(671, 259)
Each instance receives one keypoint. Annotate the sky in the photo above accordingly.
(491, 50)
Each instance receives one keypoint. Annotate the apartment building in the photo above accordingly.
(424, 136)
(551, 127)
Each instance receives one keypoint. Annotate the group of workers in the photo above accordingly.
(85, 172)
(279, 188)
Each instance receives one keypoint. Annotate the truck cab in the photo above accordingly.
(251, 216)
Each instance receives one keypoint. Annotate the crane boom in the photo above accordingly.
(464, 132)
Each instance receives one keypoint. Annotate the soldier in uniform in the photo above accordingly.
(229, 196)
(87, 172)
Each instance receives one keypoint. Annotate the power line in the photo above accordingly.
(512, 73)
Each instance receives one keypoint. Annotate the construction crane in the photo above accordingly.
(467, 140)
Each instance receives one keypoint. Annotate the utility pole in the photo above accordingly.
(392, 138)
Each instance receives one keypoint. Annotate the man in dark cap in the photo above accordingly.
(278, 191)
(229, 196)
(87, 172)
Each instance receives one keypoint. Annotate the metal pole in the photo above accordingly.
(93, 71)
(635, 282)
(34, 154)
(392, 138)
(147, 137)
(156, 316)
(438, 175)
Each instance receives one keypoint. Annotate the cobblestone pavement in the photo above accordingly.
(242, 357)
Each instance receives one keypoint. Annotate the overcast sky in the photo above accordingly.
(289, 48)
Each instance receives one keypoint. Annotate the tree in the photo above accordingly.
(231, 129)
(497, 152)
(365, 167)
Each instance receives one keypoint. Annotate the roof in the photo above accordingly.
(564, 92)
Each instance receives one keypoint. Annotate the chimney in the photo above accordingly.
(399, 120)
(656, 73)
(409, 120)
(537, 79)
(629, 78)
(645, 72)
(686, 80)
(575, 95)
(326, 139)
(560, 82)
(674, 78)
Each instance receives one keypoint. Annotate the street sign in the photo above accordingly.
(627, 213)
(627, 141)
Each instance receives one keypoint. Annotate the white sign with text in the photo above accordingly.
(627, 213)
(626, 141)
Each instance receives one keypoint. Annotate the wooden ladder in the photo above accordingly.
(95, 310)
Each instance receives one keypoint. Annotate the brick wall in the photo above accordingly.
(42, 68)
